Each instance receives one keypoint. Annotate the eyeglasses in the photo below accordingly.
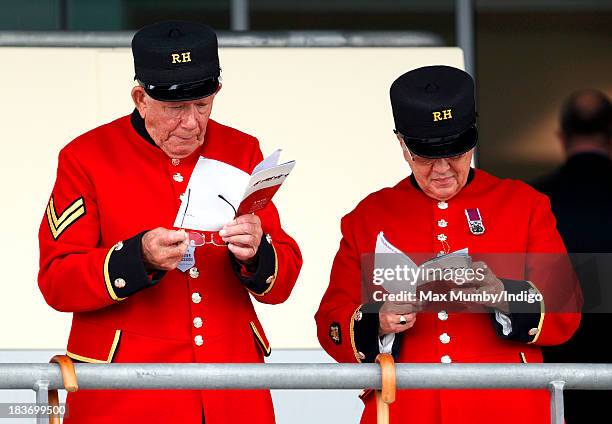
(421, 161)
(199, 239)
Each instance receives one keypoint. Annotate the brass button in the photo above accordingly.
(442, 205)
(119, 283)
(178, 177)
(196, 298)
(197, 322)
(199, 341)
(442, 315)
(358, 315)
(442, 237)
(446, 359)
(445, 338)
(194, 272)
(442, 223)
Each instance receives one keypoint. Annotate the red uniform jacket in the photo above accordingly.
(113, 185)
(517, 219)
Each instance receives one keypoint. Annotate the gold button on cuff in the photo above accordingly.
(358, 315)
(119, 283)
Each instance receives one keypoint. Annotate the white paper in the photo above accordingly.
(268, 162)
(203, 209)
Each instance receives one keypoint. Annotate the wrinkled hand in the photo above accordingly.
(163, 249)
(243, 236)
(484, 281)
(391, 313)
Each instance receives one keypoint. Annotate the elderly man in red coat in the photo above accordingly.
(110, 255)
(445, 206)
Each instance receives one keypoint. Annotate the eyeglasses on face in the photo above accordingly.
(421, 161)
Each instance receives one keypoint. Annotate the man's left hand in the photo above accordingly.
(243, 236)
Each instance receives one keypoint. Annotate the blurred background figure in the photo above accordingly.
(580, 193)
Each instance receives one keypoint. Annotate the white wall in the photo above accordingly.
(328, 108)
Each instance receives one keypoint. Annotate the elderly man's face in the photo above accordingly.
(442, 178)
(178, 128)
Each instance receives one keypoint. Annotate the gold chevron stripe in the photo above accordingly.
(67, 218)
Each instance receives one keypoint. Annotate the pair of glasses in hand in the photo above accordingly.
(200, 239)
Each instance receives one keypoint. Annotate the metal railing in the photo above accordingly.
(554, 377)
(230, 39)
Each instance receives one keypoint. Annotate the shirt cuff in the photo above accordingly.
(525, 317)
(385, 343)
(505, 321)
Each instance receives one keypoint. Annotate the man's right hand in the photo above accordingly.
(163, 249)
(395, 317)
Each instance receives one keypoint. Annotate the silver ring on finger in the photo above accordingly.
(402, 320)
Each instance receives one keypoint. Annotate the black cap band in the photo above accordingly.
(182, 92)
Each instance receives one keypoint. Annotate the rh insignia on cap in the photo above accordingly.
(334, 333)
(475, 221)
(442, 115)
(181, 57)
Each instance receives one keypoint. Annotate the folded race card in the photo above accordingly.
(417, 276)
(217, 192)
